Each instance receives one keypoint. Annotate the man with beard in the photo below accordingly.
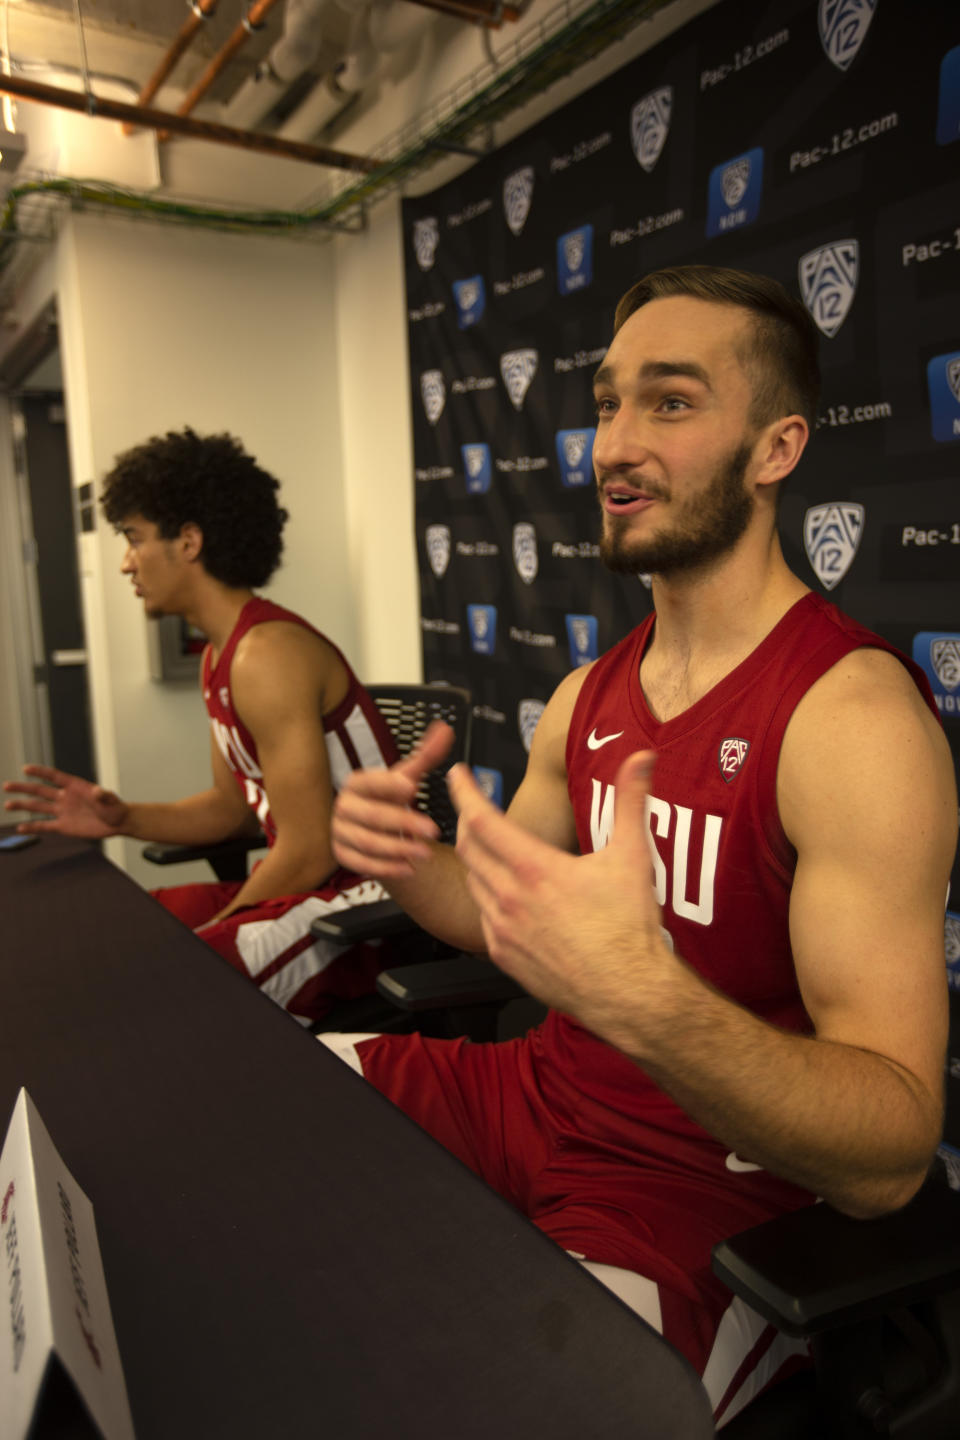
(288, 720)
(724, 870)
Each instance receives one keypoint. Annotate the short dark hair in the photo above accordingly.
(209, 481)
(781, 359)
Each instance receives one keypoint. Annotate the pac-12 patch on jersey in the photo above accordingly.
(732, 753)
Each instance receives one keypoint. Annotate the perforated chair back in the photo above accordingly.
(408, 710)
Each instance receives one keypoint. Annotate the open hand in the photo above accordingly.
(582, 933)
(375, 829)
(71, 806)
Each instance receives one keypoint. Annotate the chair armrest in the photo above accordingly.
(376, 921)
(238, 845)
(439, 984)
(815, 1269)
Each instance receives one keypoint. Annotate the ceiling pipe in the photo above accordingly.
(482, 12)
(93, 105)
(200, 10)
(253, 20)
(309, 27)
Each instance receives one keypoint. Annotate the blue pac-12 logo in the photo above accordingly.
(575, 260)
(582, 638)
(938, 655)
(951, 946)
(943, 382)
(491, 783)
(471, 298)
(575, 455)
(476, 467)
(482, 623)
(948, 112)
(733, 193)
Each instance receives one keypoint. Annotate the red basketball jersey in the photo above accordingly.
(723, 867)
(356, 734)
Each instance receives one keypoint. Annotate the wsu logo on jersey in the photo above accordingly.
(433, 393)
(831, 536)
(828, 282)
(482, 623)
(575, 456)
(575, 260)
(525, 551)
(650, 125)
(490, 782)
(471, 298)
(733, 752)
(582, 639)
(517, 369)
(518, 197)
(528, 718)
(438, 548)
(843, 25)
(426, 238)
(476, 468)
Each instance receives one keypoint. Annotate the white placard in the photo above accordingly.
(54, 1285)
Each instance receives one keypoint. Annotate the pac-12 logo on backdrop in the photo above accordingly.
(438, 548)
(650, 125)
(831, 536)
(948, 110)
(528, 718)
(843, 24)
(426, 238)
(943, 383)
(575, 260)
(582, 638)
(518, 197)
(951, 939)
(575, 456)
(828, 283)
(490, 783)
(525, 551)
(938, 655)
(733, 192)
(482, 624)
(517, 369)
(471, 298)
(433, 392)
(476, 468)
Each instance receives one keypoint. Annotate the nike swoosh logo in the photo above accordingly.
(738, 1166)
(596, 742)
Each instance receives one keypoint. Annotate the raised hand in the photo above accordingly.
(71, 806)
(582, 933)
(375, 829)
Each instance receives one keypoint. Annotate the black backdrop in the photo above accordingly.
(814, 140)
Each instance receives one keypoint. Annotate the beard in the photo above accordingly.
(706, 527)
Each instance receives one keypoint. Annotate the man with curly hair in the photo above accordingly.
(288, 720)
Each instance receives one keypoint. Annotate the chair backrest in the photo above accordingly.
(408, 710)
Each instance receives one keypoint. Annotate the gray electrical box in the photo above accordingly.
(175, 648)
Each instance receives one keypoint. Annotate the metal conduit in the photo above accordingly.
(93, 105)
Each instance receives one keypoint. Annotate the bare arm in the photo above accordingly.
(853, 1112)
(67, 805)
(282, 679)
(376, 831)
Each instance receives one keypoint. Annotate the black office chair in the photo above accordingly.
(408, 710)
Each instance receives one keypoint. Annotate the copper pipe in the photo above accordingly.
(483, 12)
(178, 47)
(89, 104)
(258, 10)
